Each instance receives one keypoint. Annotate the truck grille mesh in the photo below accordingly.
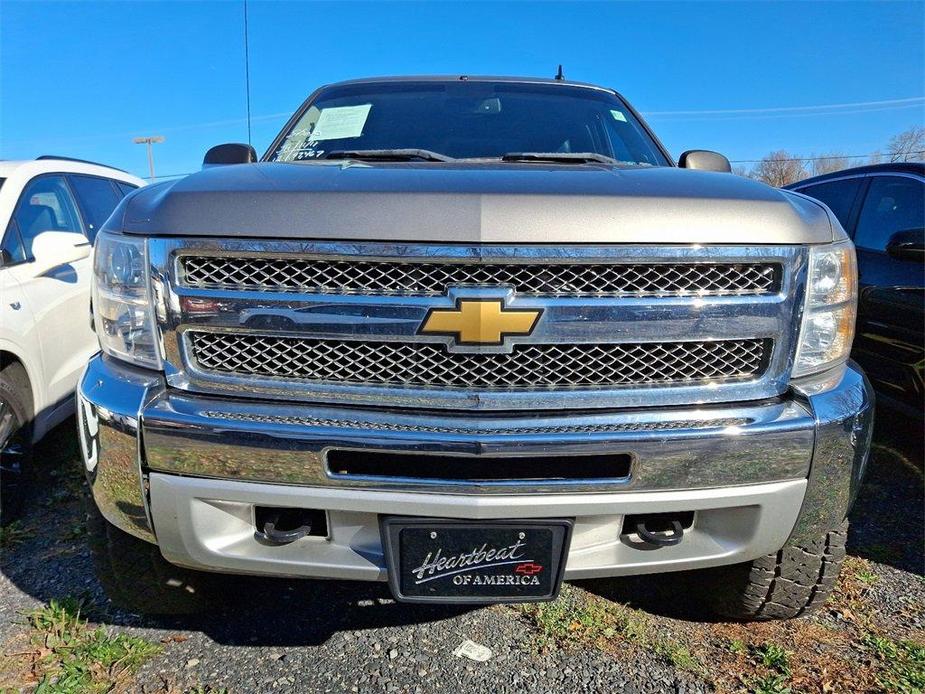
(433, 279)
(527, 366)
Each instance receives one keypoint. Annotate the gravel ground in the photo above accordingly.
(631, 635)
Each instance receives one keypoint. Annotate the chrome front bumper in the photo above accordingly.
(186, 471)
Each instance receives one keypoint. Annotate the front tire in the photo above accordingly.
(15, 440)
(135, 576)
(794, 581)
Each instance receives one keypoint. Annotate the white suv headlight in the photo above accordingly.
(829, 312)
(122, 309)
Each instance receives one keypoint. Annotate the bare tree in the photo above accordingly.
(742, 171)
(909, 145)
(875, 157)
(827, 163)
(779, 168)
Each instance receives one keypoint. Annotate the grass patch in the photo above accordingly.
(69, 656)
(677, 655)
(738, 646)
(774, 657)
(868, 577)
(13, 534)
(577, 617)
(903, 664)
(771, 684)
(569, 619)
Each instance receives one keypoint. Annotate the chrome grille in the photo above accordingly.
(433, 279)
(527, 366)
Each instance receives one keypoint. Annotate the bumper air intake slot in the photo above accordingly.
(424, 468)
(280, 526)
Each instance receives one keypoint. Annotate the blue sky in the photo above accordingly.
(81, 79)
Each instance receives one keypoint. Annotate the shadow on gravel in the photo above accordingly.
(888, 519)
(50, 559)
(887, 526)
(277, 612)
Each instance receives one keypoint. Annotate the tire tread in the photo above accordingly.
(794, 581)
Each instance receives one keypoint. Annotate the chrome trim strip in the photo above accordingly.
(565, 319)
(589, 426)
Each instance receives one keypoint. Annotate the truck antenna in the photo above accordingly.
(559, 75)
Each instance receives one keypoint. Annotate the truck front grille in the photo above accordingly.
(433, 279)
(527, 366)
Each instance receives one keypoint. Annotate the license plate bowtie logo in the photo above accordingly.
(527, 569)
(478, 322)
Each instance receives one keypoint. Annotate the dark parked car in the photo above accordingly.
(882, 207)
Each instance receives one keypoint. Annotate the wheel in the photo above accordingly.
(794, 581)
(136, 578)
(15, 440)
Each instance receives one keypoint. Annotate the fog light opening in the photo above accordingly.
(654, 530)
(281, 526)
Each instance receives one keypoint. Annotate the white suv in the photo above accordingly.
(50, 211)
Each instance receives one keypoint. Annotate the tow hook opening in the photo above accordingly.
(281, 526)
(653, 530)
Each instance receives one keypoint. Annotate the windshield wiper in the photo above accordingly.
(561, 157)
(387, 155)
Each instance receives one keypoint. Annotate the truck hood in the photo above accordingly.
(473, 203)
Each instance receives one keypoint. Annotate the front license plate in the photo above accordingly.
(442, 560)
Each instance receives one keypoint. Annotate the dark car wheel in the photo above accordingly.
(15, 440)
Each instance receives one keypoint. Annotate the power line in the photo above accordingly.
(176, 175)
(791, 109)
(834, 156)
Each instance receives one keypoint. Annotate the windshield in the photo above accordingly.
(468, 120)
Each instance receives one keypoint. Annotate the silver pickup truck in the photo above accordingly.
(472, 336)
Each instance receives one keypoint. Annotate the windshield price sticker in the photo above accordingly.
(340, 122)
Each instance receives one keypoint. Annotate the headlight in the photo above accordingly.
(122, 309)
(829, 312)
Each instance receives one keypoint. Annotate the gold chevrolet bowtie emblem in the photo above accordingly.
(480, 322)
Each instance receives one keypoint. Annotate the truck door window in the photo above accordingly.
(124, 188)
(839, 196)
(11, 248)
(894, 203)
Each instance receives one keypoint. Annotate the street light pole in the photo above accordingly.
(150, 141)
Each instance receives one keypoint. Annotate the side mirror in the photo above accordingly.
(704, 160)
(907, 245)
(53, 248)
(231, 153)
